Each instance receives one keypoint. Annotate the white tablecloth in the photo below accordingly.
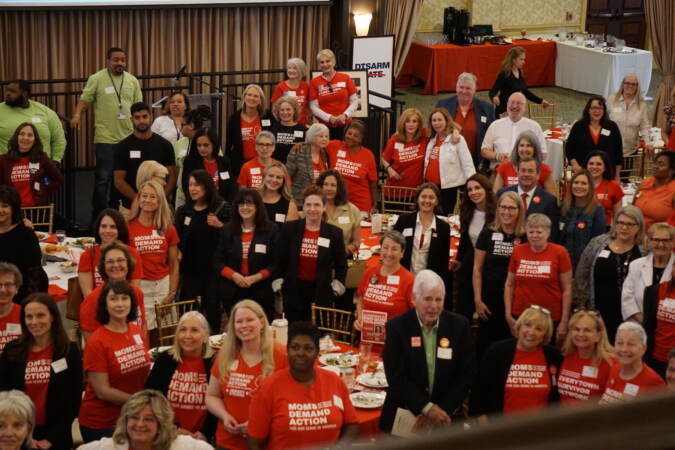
(595, 72)
(555, 157)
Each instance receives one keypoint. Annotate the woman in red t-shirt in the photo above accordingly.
(204, 154)
(588, 359)
(109, 226)
(333, 96)
(278, 416)
(251, 174)
(248, 356)
(403, 157)
(608, 191)
(116, 361)
(631, 377)
(156, 240)
(27, 363)
(295, 86)
(539, 271)
(27, 167)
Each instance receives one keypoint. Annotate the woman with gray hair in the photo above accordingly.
(294, 87)
(630, 377)
(17, 420)
(306, 161)
(182, 374)
(539, 271)
(251, 175)
(146, 422)
(526, 146)
(603, 266)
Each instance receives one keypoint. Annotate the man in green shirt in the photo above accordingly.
(112, 92)
(18, 108)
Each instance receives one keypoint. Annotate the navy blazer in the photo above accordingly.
(406, 367)
(547, 205)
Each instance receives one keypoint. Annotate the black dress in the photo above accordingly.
(276, 212)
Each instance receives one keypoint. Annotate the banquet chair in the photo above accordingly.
(397, 199)
(648, 161)
(335, 321)
(545, 116)
(40, 216)
(168, 316)
(632, 166)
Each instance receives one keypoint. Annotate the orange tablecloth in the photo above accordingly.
(439, 65)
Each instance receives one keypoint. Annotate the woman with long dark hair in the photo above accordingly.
(608, 192)
(204, 155)
(193, 120)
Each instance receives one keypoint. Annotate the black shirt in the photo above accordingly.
(286, 137)
(277, 210)
(507, 85)
(198, 240)
(130, 152)
(498, 248)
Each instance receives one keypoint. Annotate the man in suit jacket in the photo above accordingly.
(474, 115)
(537, 200)
(428, 357)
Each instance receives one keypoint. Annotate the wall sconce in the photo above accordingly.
(362, 23)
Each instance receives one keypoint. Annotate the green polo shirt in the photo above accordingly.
(180, 149)
(108, 128)
(429, 338)
(46, 122)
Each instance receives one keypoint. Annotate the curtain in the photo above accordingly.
(661, 22)
(401, 20)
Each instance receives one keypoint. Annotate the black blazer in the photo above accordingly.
(650, 304)
(234, 147)
(406, 367)
(160, 378)
(547, 205)
(439, 248)
(226, 188)
(580, 143)
(331, 262)
(228, 253)
(64, 391)
(487, 394)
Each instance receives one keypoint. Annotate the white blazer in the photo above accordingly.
(640, 274)
(454, 162)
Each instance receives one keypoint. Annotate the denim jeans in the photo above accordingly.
(103, 177)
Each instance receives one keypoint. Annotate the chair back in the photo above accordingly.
(338, 322)
(397, 199)
(545, 116)
(632, 167)
(41, 216)
(168, 316)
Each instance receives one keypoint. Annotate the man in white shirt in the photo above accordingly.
(502, 134)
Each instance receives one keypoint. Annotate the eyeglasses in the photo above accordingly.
(147, 420)
(7, 285)
(264, 145)
(541, 308)
(508, 208)
(597, 108)
(592, 312)
(660, 241)
(621, 223)
(629, 83)
(115, 261)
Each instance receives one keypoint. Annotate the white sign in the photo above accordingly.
(376, 55)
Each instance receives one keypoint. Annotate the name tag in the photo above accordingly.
(138, 339)
(544, 269)
(341, 154)
(36, 119)
(255, 170)
(497, 237)
(603, 254)
(444, 353)
(60, 365)
(324, 242)
(589, 372)
(399, 145)
(407, 232)
(13, 328)
(343, 219)
(135, 154)
(155, 234)
(299, 133)
(187, 220)
(224, 175)
(631, 389)
(617, 109)
(265, 122)
(483, 119)
(36, 186)
(393, 279)
(280, 217)
(34, 166)
(605, 132)
(415, 341)
(182, 152)
(290, 93)
(341, 84)
(337, 401)
(260, 248)
(561, 226)
(109, 90)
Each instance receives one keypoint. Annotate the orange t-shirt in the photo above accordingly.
(10, 326)
(618, 389)
(581, 380)
(19, 177)
(664, 334)
(300, 94)
(153, 248)
(85, 264)
(249, 131)
(608, 193)
(510, 176)
(538, 278)
(291, 415)
(656, 204)
(357, 168)
(89, 306)
(124, 357)
(528, 384)
(242, 383)
(36, 381)
(468, 125)
(309, 254)
(391, 294)
(333, 95)
(251, 173)
(406, 158)
(433, 173)
(187, 393)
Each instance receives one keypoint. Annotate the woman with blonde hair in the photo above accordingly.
(589, 356)
(403, 156)
(275, 191)
(629, 110)
(294, 87)
(248, 356)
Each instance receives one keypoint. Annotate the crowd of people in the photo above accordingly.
(571, 291)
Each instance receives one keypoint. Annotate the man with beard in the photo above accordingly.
(112, 91)
(18, 109)
(141, 145)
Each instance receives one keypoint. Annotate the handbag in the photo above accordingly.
(75, 295)
(355, 270)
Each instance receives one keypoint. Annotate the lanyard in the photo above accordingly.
(118, 93)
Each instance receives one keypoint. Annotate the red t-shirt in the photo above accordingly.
(594, 136)
(85, 264)
(89, 306)
(249, 131)
(392, 294)
(406, 158)
(124, 357)
(538, 278)
(212, 168)
(291, 415)
(433, 173)
(333, 95)
(357, 168)
(153, 248)
(655, 203)
(300, 94)
(608, 193)
(251, 173)
(246, 239)
(317, 168)
(10, 326)
(36, 381)
(664, 334)
(529, 382)
(187, 394)
(581, 380)
(510, 176)
(242, 383)
(309, 253)
(618, 389)
(19, 177)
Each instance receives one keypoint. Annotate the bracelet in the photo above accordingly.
(388, 167)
